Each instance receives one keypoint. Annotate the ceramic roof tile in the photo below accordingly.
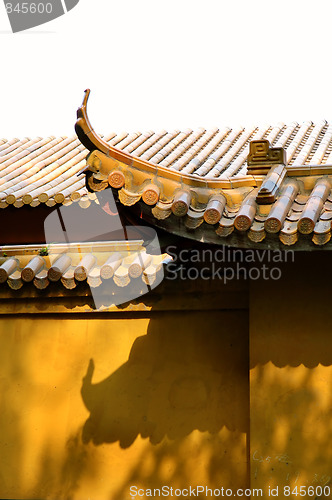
(198, 160)
(147, 145)
(159, 144)
(223, 147)
(128, 140)
(311, 141)
(273, 135)
(196, 147)
(173, 147)
(12, 145)
(105, 262)
(138, 141)
(324, 149)
(287, 135)
(225, 167)
(295, 143)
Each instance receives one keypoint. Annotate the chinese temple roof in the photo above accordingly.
(240, 186)
(246, 186)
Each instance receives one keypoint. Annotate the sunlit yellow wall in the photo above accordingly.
(165, 403)
(291, 381)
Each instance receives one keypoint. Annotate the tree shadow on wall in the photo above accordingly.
(291, 376)
(189, 372)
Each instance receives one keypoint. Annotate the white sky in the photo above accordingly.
(154, 64)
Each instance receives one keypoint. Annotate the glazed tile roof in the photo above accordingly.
(34, 171)
(219, 154)
(37, 170)
(115, 263)
(268, 184)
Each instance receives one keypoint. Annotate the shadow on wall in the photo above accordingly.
(174, 463)
(189, 372)
(62, 482)
(291, 375)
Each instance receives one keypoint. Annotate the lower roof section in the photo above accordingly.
(121, 270)
(118, 276)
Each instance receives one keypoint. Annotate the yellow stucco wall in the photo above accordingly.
(165, 403)
(291, 428)
(291, 381)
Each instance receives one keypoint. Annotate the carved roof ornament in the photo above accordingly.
(261, 157)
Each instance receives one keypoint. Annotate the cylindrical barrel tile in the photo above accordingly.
(246, 214)
(181, 203)
(116, 179)
(108, 269)
(150, 194)
(7, 268)
(139, 264)
(34, 267)
(214, 209)
(59, 267)
(82, 269)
